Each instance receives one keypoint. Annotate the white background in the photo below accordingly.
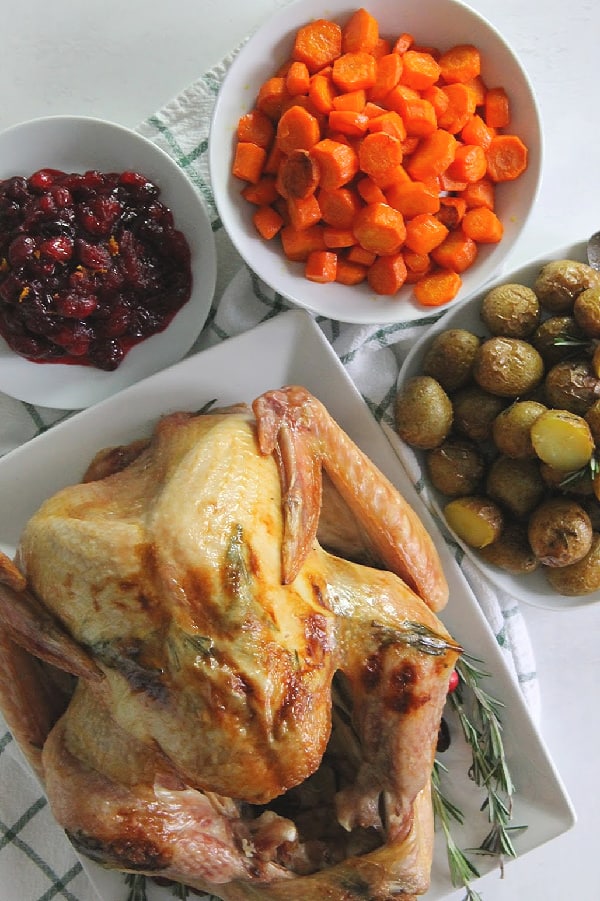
(124, 60)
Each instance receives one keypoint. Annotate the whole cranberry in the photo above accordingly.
(20, 250)
(59, 249)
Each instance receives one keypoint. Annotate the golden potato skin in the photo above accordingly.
(559, 532)
(511, 310)
(554, 338)
(586, 311)
(476, 519)
(580, 578)
(475, 411)
(511, 429)
(455, 467)
(560, 281)
(449, 358)
(423, 412)
(511, 551)
(509, 367)
(572, 385)
(515, 484)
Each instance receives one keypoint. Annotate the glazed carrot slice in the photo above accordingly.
(297, 80)
(304, 211)
(353, 101)
(322, 92)
(321, 266)
(298, 174)
(476, 131)
(413, 197)
(271, 95)
(480, 193)
(424, 232)
(403, 42)
(255, 127)
(380, 228)
(358, 254)
(337, 162)
(378, 153)
(298, 243)
(349, 273)
(419, 117)
(353, 71)
(457, 251)
(482, 225)
(370, 191)
(469, 163)
(417, 265)
(338, 237)
(432, 156)
(248, 161)
(419, 70)
(506, 157)
(496, 108)
(387, 76)
(390, 122)
(387, 274)
(348, 122)
(339, 206)
(460, 63)
(262, 193)
(297, 129)
(461, 106)
(267, 222)
(451, 211)
(437, 288)
(317, 44)
(360, 33)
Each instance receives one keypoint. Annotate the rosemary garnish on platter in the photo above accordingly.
(478, 714)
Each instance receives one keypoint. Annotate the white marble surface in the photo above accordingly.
(124, 60)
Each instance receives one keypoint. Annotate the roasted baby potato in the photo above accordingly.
(582, 577)
(511, 310)
(562, 439)
(572, 385)
(476, 519)
(475, 411)
(559, 532)
(559, 282)
(450, 356)
(509, 367)
(556, 337)
(586, 311)
(515, 484)
(423, 412)
(511, 429)
(456, 467)
(511, 550)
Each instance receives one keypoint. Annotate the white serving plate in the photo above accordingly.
(76, 144)
(532, 588)
(240, 369)
(440, 23)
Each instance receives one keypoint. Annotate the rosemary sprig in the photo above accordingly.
(478, 714)
(137, 887)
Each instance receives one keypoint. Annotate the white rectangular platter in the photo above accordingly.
(291, 349)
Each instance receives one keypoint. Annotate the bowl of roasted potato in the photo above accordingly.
(498, 415)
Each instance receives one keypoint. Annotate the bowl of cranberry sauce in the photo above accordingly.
(107, 260)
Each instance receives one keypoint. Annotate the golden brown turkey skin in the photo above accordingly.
(225, 660)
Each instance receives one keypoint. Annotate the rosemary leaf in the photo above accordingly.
(137, 887)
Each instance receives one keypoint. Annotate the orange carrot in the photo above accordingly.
(380, 228)
(390, 122)
(339, 206)
(382, 48)
(360, 33)
(456, 252)
(461, 106)
(369, 191)
(496, 108)
(419, 70)
(438, 99)
(348, 122)
(480, 193)
(271, 95)
(482, 225)
(273, 161)
(506, 157)
(478, 89)
(433, 155)
(321, 266)
(338, 237)
(267, 222)
(395, 175)
(349, 273)
(387, 274)
(298, 174)
(304, 211)
(297, 80)
(449, 184)
(460, 63)
(262, 193)
(355, 101)
(337, 162)
(469, 163)
(437, 288)
(248, 161)
(403, 43)
(255, 127)
(476, 131)
(297, 129)
(417, 264)
(424, 232)
(413, 197)
(372, 110)
(317, 44)
(378, 153)
(387, 76)
(451, 211)
(353, 71)
(297, 243)
(419, 117)
(358, 254)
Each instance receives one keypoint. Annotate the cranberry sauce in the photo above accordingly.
(90, 264)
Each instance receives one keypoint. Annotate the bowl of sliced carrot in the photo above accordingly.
(375, 164)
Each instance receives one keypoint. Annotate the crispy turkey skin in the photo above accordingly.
(230, 668)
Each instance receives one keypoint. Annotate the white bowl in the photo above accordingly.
(534, 587)
(441, 23)
(77, 144)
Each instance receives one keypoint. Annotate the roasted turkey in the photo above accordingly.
(221, 654)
